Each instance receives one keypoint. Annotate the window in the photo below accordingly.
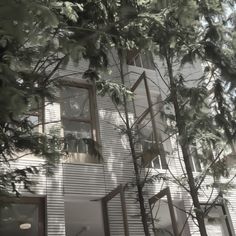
(79, 123)
(140, 59)
(97, 216)
(200, 153)
(23, 216)
(83, 216)
(195, 159)
(163, 215)
(33, 114)
(149, 138)
(217, 220)
(114, 212)
(168, 216)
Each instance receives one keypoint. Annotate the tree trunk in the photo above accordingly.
(180, 123)
(134, 157)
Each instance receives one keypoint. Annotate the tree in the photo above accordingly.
(185, 31)
(37, 38)
(26, 32)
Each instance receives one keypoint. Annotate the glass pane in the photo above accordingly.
(140, 99)
(147, 60)
(181, 217)
(131, 56)
(215, 222)
(194, 161)
(148, 143)
(83, 217)
(137, 60)
(146, 134)
(76, 135)
(19, 220)
(157, 162)
(162, 219)
(75, 102)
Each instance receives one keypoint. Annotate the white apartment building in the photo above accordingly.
(92, 195)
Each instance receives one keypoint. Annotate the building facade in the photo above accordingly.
(92, 191)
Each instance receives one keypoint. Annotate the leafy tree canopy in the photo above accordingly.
(37, 38)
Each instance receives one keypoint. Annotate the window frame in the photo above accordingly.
(92, 105)
(137, 55)
(161, 155)
(117, 191)
(90, 87)
(38, 201)
(165, 193)
(225, 211)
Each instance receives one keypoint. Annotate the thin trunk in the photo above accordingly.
(185, 150)
(134, 157)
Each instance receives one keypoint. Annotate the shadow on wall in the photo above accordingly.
(117, 158)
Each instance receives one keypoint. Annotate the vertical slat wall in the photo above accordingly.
(50, 188)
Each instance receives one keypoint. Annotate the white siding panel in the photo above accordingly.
(84, 179)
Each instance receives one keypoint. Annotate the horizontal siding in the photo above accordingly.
(84, 179)
(97, 180)
(52, 189)
(118, 167)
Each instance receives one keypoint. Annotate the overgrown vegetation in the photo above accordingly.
(39, 37)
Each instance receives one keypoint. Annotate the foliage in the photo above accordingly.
(37, 38)
(114, 90)
(25, 36)
(203, 109)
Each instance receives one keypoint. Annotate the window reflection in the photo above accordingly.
(21, 219)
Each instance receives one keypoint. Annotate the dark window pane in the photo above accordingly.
(156, 162)
(215, 222)
(75, 102)
(161, 218)
(130, 56)
(76, 135)
(137, 60)
(140, 99)
(19, 220)
(195, 161)
(148, 142)
(146, 133)
(147, 60)
(83, 217)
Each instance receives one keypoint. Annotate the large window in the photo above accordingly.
(217, 220)
(140, 59)
(90, 216)
(79, 123)
(114, 213)
(22, 216)
(168, 216)
(149, 136)
(83, 216)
